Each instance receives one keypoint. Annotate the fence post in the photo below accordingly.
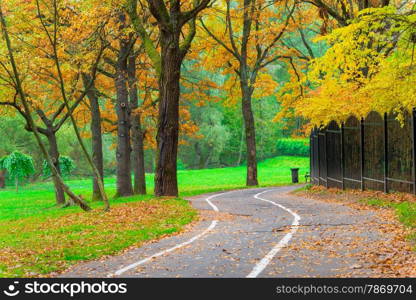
(413, 118)
(318, 156)
(342, 156)
(326, 156)
(386, 159)
(362, 151)
(311, 157)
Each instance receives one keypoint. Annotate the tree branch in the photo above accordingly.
(148, 44)
(236, 55)
(189, 15)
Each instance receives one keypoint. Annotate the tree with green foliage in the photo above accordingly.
(215, 137)
(66, 164)
(18, 166)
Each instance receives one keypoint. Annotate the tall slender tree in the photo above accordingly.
(27, 109)
(253, 31)
(122, 61)
(137, 134)
(2, 179)
(96, 133)
(54, 42)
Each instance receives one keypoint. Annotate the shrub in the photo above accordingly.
(294, 147)
(66, 165)
(18, 166)
(181, 165)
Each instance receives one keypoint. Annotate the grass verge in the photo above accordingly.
(34, 246)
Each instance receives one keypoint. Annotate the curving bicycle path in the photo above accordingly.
(263, 232)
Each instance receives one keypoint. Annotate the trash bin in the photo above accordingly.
(295, 175)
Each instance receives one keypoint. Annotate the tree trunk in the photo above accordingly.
(240, 152)
(136, 131)
(2, 179)
(198, 152)
(166, 182)
(97, 139)
(16, 183)
(250, 136)
(154, 157)
(247, 79)
(124, 185)
(54, 154)
(170, 21)
(208, 159)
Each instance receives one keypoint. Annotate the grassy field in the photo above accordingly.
(37, 238)
(35, 199)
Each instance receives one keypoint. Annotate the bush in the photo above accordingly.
(66, 165)
(181, 165)
(18, 166)
(294, 147)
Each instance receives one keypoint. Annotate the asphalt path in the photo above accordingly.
(263, 232)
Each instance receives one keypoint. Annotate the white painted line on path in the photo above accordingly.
(147, 259)
(262, 264)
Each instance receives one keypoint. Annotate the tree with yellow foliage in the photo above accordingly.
(369, 66)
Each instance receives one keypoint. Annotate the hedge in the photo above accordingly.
(295, 147)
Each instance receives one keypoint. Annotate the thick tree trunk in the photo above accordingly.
(54, 154)
(124, 185)
(250, 136)
(96, 134)
(2, 179)
(136, 132)
(166, 182)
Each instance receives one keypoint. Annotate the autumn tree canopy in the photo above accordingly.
(159, 85)
(369, 66)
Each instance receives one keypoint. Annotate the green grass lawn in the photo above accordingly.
(38, 198)
(37, 238)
